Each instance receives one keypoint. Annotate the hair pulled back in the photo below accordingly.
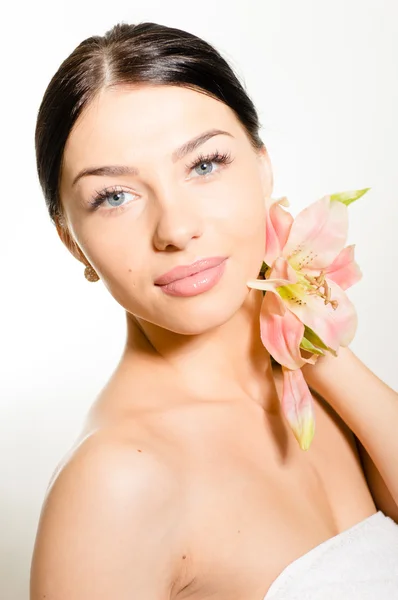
(144, 53)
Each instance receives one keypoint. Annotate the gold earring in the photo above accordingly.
(90, 274)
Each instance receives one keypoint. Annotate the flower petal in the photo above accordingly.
(317, 235)
(334, 327)
(281, 273)
(345, 316)
(281, 331)
(266, 284)
(277, 227)
(298, 406)
(344, 270)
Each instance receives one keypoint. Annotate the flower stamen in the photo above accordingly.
(320, 282)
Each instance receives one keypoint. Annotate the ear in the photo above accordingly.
(67, 239)
(266, 173)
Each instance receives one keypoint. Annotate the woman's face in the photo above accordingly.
(168, 213)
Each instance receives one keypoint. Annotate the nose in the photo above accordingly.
(178, 223)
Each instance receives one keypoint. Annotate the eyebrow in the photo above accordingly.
(178, 154)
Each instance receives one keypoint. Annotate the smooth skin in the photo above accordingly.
(186, 481)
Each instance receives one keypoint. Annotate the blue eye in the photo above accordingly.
(111, 195)
(216, 157)
(118, 196)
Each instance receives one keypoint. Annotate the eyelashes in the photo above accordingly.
(217, 157)
(101, 196)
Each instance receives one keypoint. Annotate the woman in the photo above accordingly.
(186, 481)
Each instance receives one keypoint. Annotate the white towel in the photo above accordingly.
(360, 563)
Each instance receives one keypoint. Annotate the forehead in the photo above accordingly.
(144, 120)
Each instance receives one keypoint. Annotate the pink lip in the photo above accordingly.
(188, 270)
(195, 284)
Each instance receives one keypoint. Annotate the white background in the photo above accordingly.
(323, 76)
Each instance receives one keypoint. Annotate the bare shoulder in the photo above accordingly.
(110, 525)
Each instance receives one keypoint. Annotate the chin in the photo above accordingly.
(201, 313)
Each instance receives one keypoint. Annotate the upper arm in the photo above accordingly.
(380, 492)
(108, 528)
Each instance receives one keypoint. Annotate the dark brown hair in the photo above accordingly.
(144, 53)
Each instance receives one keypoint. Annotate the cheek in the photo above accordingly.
(125, 271)
(127, 280)
(118, 259)
(242, 215)
(245, 225)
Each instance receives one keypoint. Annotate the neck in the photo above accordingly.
(229, 361)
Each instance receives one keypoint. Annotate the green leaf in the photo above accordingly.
(349, 197)
(314, 339)
(264, 268)
(306, 345)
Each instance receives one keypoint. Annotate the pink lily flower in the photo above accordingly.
(306, 269)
